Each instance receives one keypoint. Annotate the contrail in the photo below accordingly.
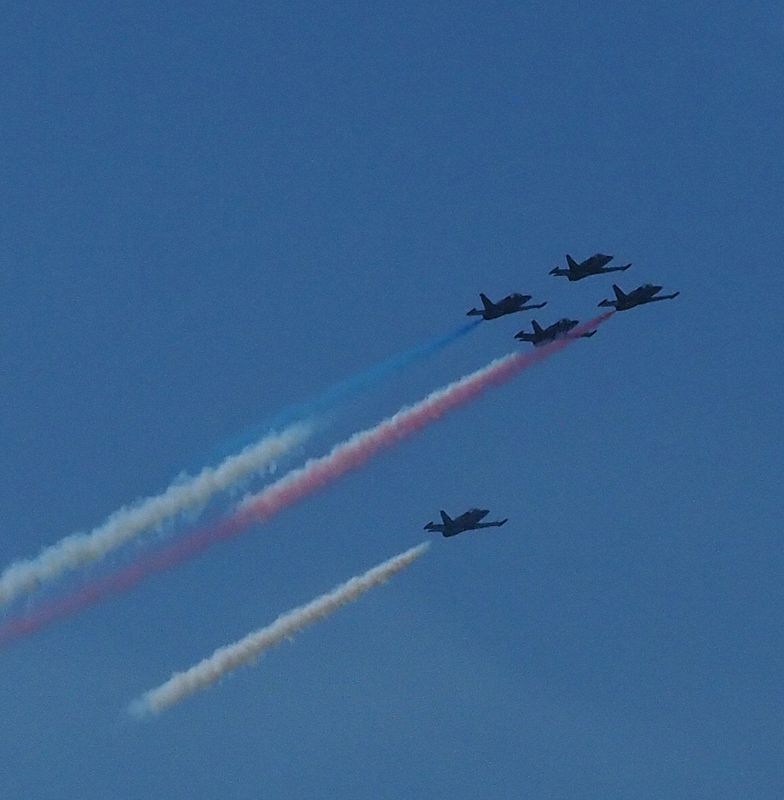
(228, 658)
(79, 549)
(300, 483)
(350, 387)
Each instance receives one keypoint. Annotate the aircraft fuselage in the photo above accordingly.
(510, 304)
(638, 297)
(468, 521)
(595, 265)
(558, 330)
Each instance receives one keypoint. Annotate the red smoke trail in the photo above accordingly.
(299, 483)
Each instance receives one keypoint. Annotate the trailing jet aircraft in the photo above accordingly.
(469, 521)
(595, 265)
(637, 297)
(509, 305)
(558, 330)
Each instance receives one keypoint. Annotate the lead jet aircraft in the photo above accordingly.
(509, 305)
(558, 330)
(637, 297)
(595, 265)
(469, 521)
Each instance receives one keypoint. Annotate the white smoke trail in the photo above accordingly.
(315, 475)
(225, 659)
(78, 549)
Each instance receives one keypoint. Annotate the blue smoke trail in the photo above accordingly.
(347, 389)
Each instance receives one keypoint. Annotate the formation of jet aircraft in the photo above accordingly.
(510, 304)
(468, 521)
(557, 330)
(596, 264)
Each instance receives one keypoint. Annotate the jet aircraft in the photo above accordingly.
(469, 521)
(558, 330)
(595, 265)
(637, 297)
(509, 305)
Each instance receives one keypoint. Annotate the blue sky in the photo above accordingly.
(212, 211)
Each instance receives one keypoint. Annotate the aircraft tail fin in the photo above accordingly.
(486, 301)
(445, 518)
(571, 262)
(619, 295)
(537, 327)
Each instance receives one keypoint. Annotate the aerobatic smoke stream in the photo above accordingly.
(300, 483)
(228, 658)
(127, 523)
(350, 387)
(79, 549)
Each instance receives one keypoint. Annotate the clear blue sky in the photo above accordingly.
(213, 210)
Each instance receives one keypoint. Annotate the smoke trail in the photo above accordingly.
(300, 483)
(79, 549)
(228, 658)
(354, 385)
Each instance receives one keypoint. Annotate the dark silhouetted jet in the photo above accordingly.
(470, 521)
(509, 305)
(637, 297)
(595, 265)
(558, 330)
